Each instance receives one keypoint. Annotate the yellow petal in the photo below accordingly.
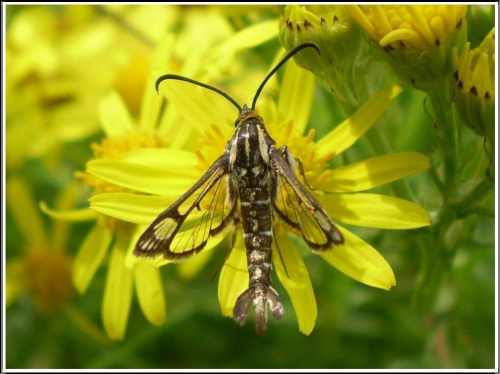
(134, 208)
(295, 278)
(75, 215)
(143, 178)
(163, 158)
(23, 210)
(372, 210)
(222, 55)
(200, 109)
(153, 104)
(150, 293)
(14, 280)
(354, 127)
(233, 278)
(192, 266)
(360, 261)
(248, 37)
(374, 172)
(296, 96)
(61, 229)
(117, 292)
(114, 116)
(132, 260)
(70, 129)
(172, 132)
(90, 256)
(360, 17)
(400, 34)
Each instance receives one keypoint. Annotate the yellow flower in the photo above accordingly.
(417, 39)
(167, 173)
(45, 268)
(42, 268)
(61, 59)
(126, 148)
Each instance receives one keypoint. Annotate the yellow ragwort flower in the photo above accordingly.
(61, 59)
(42, 266)
(44, 269)
(417, 39)
(128, 148)
(116, 236)
(167, 173)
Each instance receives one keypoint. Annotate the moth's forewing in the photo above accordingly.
(185, 227)
(299, 209)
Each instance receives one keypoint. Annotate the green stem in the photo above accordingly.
(478, 193)
(446, 135)
(432, 272)
(85, 324)
(380, 146)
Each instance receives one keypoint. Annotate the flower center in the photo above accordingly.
(115, 148)
(301, 147)
(418, 26)
(48, 278)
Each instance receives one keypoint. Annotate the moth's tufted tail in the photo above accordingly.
(262, 296)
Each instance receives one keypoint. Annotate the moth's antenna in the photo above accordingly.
(211, 88)
(280, 64)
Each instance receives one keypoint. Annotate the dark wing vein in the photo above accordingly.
(202, 212)
(300, 210)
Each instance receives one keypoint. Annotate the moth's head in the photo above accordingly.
(246, 114)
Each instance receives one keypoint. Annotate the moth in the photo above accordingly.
(251, 184)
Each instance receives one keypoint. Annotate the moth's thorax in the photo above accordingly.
(249, 148)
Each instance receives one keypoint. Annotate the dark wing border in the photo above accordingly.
(311, 209)
(150, 244)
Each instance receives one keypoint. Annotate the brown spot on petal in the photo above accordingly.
(487, 95)
(459, 24)
(298, 27)
(321, 20)
(455, 76)
(335, 19)
(473, 90)
(460, 85)
(307, 24)
(438, 42)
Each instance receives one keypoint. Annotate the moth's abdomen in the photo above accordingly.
(256, 218)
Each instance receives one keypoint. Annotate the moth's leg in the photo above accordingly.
(290, 160)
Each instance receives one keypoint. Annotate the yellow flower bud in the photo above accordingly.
(337, 37)
(473, 87)
(328, 26)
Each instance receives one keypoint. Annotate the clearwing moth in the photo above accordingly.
(253, 184)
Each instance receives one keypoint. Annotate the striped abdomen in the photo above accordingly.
(253, 181)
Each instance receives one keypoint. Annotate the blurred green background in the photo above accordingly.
(357, 326)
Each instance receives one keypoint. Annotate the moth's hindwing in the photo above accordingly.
(299, 209)
(185, 227)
